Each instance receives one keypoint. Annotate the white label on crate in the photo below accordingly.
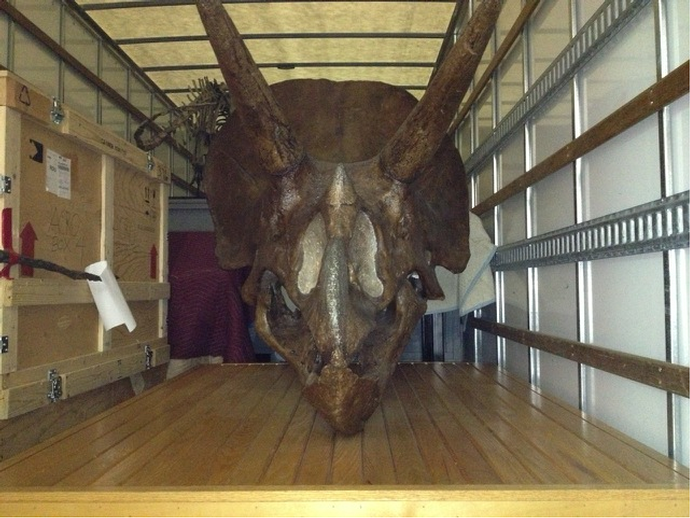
(58, 174)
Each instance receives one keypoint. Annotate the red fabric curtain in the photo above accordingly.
(206, 314)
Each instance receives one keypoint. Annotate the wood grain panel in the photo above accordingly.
(317, 460)
(377, 460)
(497, 453)
(50, 323)
(649, 467)
(285, 462)
(93, 441)
(438, 461)
(439, 425)
(257, 455)
(50, 334)
(471, 463)
(551, 452)
(67, 230)
(407, 458)
(144, 451)
(249, 421)
(346, 467)
(136, 224)
(27, 430)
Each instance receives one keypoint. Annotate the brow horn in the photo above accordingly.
(274, 142)
(419, 137)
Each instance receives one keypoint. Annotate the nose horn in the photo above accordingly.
(331, 315)
(419, 137)
(275, 144)
(335, 322)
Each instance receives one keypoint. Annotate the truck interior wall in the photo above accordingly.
(634, 304)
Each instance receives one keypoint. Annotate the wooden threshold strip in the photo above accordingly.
(501, 53)
(654, 373)
(650, 101)
(357, 501)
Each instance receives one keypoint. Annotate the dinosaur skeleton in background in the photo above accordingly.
(208, 108)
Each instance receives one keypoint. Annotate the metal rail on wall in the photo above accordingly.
(651, 227)
(604, 24)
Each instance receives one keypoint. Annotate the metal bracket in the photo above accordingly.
(57, 115)
(148, 353)
(4, 344)
(150, 164)
(5, 185)
(54, 386)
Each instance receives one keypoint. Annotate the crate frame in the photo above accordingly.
(116, 355)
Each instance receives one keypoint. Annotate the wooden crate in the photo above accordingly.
(74, 194)
(447, 440)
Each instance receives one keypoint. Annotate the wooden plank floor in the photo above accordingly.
(438, 424)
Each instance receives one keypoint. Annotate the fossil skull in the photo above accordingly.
(343, 197)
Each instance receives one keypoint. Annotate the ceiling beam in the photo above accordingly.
(291, 66)
(173, 91)
(103, 6)
(286, 36)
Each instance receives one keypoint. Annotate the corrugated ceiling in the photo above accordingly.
(397, 42)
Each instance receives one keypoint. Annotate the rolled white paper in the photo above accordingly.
(111, 304)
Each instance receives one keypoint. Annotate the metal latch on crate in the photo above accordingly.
(54, 386)
(57, 115)
(5, 184)
(148, 353)
(150, 164)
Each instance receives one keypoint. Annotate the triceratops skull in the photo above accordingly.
(343, 197)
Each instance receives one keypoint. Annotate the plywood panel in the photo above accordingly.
(145, 314)
(53, 333)
(65, 230)
(137, 221)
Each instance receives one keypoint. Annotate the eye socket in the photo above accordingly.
(280, 300)
(416, 282)
(287, 300)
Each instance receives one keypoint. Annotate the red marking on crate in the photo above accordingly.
(28, 238)
(6, 239)
(153, 272)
